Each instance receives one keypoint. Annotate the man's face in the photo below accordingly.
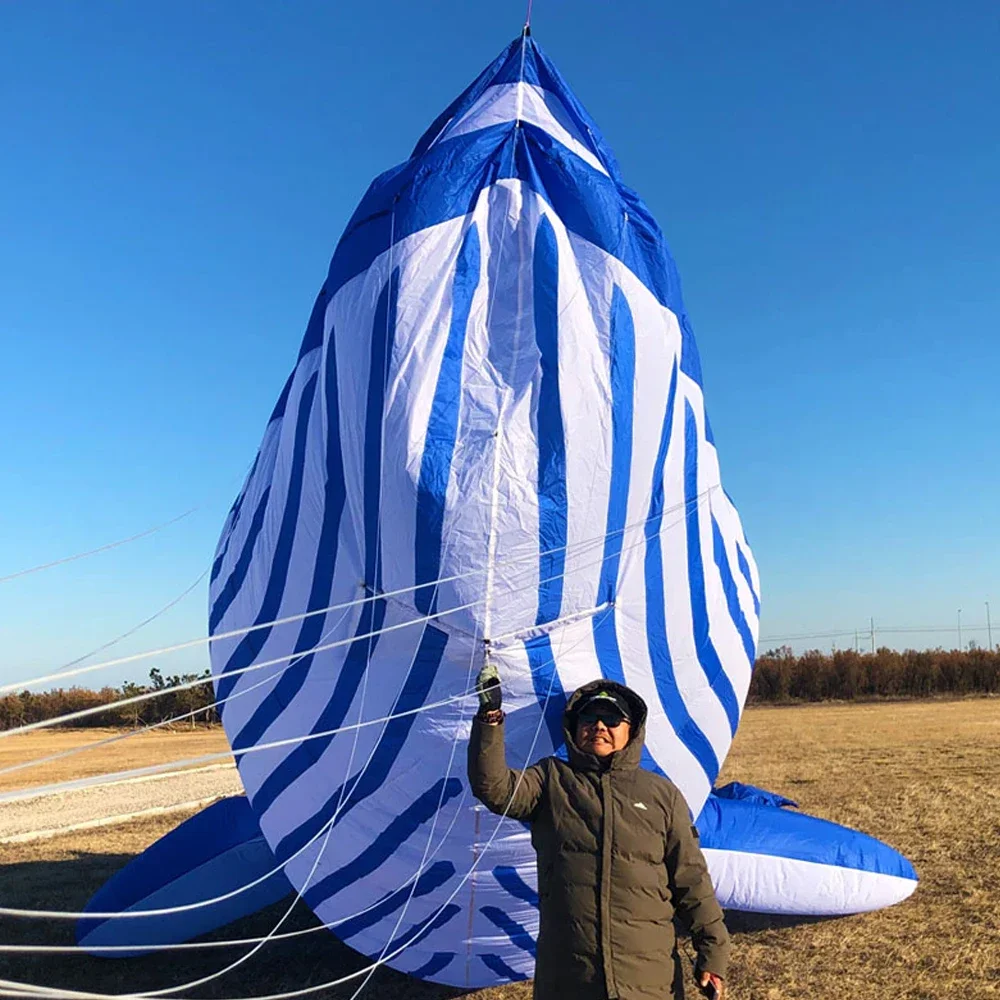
(601, 731)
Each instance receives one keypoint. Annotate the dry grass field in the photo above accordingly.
(920, 775)
(141, 750)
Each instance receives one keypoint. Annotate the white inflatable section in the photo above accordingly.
(764, 883)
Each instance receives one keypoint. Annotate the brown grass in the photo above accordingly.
(139, 750)
(919, 775)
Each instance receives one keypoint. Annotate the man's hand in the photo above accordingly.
(490, 697)
(711, 985)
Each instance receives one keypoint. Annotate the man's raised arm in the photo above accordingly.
(500, 789)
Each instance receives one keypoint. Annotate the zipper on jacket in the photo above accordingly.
(607, 837)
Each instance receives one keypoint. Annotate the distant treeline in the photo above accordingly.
(193, 703)
(781, 676)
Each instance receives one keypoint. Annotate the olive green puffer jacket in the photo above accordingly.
(617, 857)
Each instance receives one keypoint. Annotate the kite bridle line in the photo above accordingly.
(66, 914)
(100, 548)
(530, 555)
(223, 755)
(15, 988)
(46, 991)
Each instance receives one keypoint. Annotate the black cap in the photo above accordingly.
(604, 698)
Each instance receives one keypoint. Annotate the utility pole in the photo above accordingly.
(989, 628)
(855, 640)
(960, 629)
(872, 620)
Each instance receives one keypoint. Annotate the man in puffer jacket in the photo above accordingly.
(617, 854)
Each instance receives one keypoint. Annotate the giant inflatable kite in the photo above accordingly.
(494, 445)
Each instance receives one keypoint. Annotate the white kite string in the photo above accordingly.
(135, 628)
(57, 914)
(15, 988)
(224, 754)
(530, 556)
(100, 548)
(329, 826)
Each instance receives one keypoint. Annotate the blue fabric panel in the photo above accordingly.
(708, 657)
(418, 682)
(552, 500)
(372, 612)
(548, 687)
(515, 931)
(386, 843)
(211, 854)
(442, 427)
(311, 629)
(735, 825)
(622, 343)
(515, 885)
(252, 643)
(445, 183)
(438, 961)
(745, 570)
(751, 793)
(235, 580)
(420, 930)
(500, 968)
(429, 880)
(729, 588)
(622, 349)
(656, 625)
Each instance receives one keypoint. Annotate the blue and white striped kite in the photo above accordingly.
(493, 444)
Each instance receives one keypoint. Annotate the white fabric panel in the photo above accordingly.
(764, 883)
(585, 400)
(508, 102)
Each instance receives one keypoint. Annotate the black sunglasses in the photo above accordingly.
(611, 719)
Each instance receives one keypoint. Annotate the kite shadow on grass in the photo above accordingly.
(288, 964)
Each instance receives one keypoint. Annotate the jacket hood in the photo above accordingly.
(631, 754)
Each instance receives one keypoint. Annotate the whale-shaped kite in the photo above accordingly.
(493, 445)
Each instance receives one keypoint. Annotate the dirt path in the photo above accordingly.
(33, 815)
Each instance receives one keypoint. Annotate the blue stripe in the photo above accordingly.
(735, 825)
(548, 688)
(382, 338)
(656, 622)
(552, 500)
(233, 520)
(514, 884)
(386, 843)
(622, 404)
(445, 182)
(500, 968)
(553, 511)
(420, 930)
(438, 961)
(372, 612)
(279, 408)
(745, 570)
(433, 878)
(729, 588)
(335, 711)
(442, 428)
(252, 643)
(622, 377)
(708, 657)
(311, 630)
(418, 683)
(235, 580)
(519, 936)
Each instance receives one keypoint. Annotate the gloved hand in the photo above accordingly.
(711, 985)
(488, 689)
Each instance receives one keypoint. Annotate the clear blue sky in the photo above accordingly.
(175, 174)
